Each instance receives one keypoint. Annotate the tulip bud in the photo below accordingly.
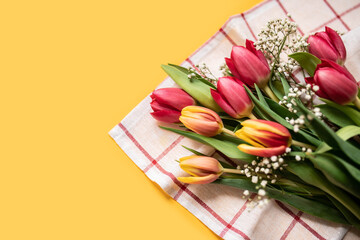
(201, 120)
(327, 45)
(202, 169)
(249, 65)
(167, 104)
(266, 137)
(232, 98)
(335, 83)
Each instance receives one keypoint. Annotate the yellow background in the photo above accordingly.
(70, 71)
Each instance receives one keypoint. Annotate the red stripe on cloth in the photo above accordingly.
(247, 24)
(287, 210)
(227, 36)
(166, 151)
(333, 10)
(237, 215)
(181, 190)
(331, 20)
(178, 183)
(193, 65)
(292, 224)
(286, 12)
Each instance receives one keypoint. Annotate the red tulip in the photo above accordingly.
(232, 98)
(167, 104)
(249, 65)
(202, 120)
(327, 45)
(267, 138)
(335, 83)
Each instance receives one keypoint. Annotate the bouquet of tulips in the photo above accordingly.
(283, 138)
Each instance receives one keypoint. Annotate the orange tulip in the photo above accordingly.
(201, 120)
(201, 168)
(267, 138)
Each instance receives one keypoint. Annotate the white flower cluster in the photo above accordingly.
(278, 39)
(297, 123)
(204, 72)
(225, 70)
(305, 93)
(262, 172)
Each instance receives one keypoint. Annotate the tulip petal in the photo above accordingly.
(222, 103)
(311, 81)
(262, 152)
(201, 166)
(266, 126)
(243, 135)
(337, 67)
(258, 53)
(321, 48)
(156, 106)
(263, 138)
(250, 68)
(337, 42)
(232, 68)
(236, 96)
(174, 97)
(336, 85)
(168, 116)
(197, 109)
(199, 180)
(202, 127)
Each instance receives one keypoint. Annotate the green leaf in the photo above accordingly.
(298, 188)
(336, 116)
(312, 176)
(225, 144)
(285, 84)
(352, 113)
(196, 88)
(267, 110)
(280, 110)
(307, 61)
(329, 136)
(309, 206)
(277, 88)
(260, 95)
(193, 151)
(198, 76)
(344, 133)
(347, 214)
(339, 172)
(348, 132)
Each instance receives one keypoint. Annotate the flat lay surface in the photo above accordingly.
(71, 70)
(138, 132)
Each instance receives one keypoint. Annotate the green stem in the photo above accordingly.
(252, 116)
(227, 131)
(270, 93)
(235, 171)
(277, 58)
(301, 144)
(357, 102)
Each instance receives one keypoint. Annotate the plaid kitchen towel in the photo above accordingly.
(221, 208)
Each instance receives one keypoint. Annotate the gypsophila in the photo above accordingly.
(202, 71)
(262, 172)
(279, 39)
